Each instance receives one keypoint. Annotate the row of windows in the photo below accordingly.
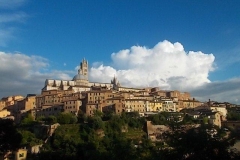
(135, 106)
(134, 101)
(95, 94)
(50, 109)
(70, 102)
(96, 98)
(49, 114)
(139, 110)
(70, 107)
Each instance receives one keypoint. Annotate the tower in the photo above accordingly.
(115, 83)
(83, 70)
(81, 78)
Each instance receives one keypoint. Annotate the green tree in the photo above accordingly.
(28, 120)
(66, 118)
(28, 138)
(50, 119)
(97, 123)
(10, 138)
(233, 116)
(197, 144)
(205, 120)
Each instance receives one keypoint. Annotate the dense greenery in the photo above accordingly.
(122, 137)
(111, 136)
(233, 116)
(10, 138)
(29, 138)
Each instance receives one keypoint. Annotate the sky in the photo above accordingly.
(191, 46)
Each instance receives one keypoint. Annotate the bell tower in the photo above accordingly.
(83, 70)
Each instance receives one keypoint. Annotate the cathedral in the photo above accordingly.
(79, 82)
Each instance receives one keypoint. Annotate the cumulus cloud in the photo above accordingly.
(23, 74)
(166, 65)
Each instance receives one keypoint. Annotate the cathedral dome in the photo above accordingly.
(80, 77)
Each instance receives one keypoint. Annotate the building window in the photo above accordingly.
(21, 155)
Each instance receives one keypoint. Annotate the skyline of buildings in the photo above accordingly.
(80, 95)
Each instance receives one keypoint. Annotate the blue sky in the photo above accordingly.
(51, 37)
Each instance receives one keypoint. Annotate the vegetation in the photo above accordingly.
(29, 138)
(233, 116)
(112, 136)
(10, 138)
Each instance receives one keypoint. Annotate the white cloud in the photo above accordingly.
(23, 74)
(166, 65)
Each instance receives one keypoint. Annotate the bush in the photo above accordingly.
(66, 118)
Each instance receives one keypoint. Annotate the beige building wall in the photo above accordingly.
(179, 95)
(191, 103)
(72, 106)
(11, 100)
(168, 105)
(155, 106)
(2, 104)
(49, 110)
(221, 109)
(27, 103)
(114, 104)
(135, 105)
(215, 119)
(91, 108)
(4, 113)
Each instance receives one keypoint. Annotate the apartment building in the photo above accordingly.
(4, 113)
(10, 101)
(168, 105)
(135, 105)
(2, 104)
(27, 103)
(49, 110)
(114, 104)
(72, 106)
(220, 107)
(155, 106)
(178, 94)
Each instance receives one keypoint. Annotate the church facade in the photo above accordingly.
(79, 82)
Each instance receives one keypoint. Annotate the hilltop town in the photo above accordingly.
(79, 94)
(82, 99)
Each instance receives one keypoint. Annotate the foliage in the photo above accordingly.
(197, 144)
(96, 122)
(133, 120)
(50, 119)
(100, 138)
(29, 139)
(233, 116)
(10, 139)
(66, 118)
(205, 120)
(188, 119)
(28, 120)
(40, 118)
(66, 138)
(160, 118)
